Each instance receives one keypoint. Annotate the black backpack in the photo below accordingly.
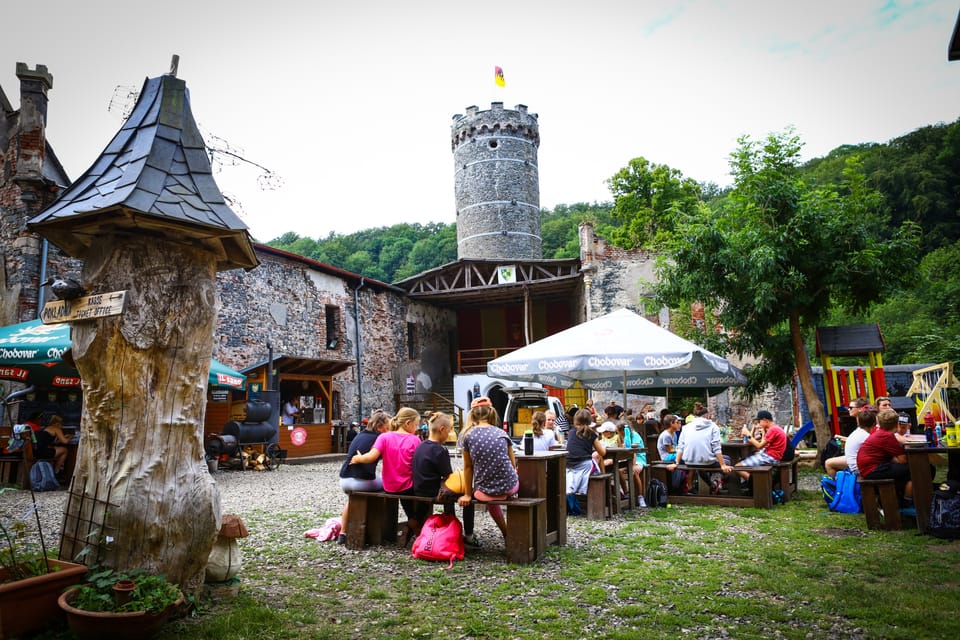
(656, 494)
(945, 511)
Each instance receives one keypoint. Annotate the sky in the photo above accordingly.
(349, 104)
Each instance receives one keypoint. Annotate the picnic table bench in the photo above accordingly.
(761, 496)
(373, 521)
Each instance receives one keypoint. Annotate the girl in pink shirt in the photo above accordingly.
(396, 448)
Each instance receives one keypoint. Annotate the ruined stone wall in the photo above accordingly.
(285, 301)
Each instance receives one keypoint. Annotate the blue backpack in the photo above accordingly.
(42, 477)
(843, 493)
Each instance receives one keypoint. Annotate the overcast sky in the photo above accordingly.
(350, 102)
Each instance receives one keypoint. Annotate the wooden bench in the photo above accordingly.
(761, 497)
(372, 520)
(877, 495)
(600, 497)
(15, 467)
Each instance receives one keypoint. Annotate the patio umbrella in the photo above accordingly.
(621, 350)
(38, 354)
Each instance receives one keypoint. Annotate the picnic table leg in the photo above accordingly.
(520, 544)
(762, 489)
(357, 521)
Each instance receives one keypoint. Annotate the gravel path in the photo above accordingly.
(296, 487)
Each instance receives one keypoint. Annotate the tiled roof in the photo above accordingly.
(154, 175)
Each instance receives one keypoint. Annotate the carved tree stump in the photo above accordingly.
(144, 376)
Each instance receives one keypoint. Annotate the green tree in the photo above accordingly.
(647, 198)
(777, 254)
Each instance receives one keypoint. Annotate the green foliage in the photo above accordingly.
(152, 593)
(648, 199)
(778, 248)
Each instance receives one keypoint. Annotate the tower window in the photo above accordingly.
(493, 144)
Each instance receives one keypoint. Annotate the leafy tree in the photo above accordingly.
(773, 259)
(647, 198)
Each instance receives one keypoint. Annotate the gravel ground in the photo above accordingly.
(295, 487)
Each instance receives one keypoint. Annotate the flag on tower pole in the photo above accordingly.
(498, 77)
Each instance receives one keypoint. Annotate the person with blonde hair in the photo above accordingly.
(397, 447)
(543, 435)
(361, 477)
(489, 465)
(432, 468)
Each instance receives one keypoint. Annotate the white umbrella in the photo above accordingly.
(620, 350)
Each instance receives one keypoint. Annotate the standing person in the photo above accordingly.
(589, 406)
(290, 412)
(581, 447)
(770, 448)
(667, 440)
(489, 466)
(699, 446)
(881, 456)
(361, 477)
(431, 468)
(51, 444)
(543, 435)
(397, 447)
(883, 402)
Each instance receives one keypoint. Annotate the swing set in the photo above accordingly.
(930, 386)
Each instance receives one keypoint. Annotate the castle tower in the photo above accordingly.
(497, 184)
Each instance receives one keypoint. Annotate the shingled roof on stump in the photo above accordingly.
(153, 177)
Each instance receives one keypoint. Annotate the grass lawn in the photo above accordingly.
(796, 571)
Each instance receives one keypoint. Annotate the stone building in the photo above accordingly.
(344, 343)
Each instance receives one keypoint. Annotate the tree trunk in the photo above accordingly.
(820, 425)
(142, 495)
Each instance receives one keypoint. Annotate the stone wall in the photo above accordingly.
(286, 300)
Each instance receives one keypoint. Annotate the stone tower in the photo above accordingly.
(497, 184)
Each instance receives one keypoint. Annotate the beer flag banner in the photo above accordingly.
(498, 77)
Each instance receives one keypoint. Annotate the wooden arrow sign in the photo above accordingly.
(100, 305)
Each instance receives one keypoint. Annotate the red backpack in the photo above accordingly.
(441, 539)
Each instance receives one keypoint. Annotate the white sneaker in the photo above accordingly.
(641, 502)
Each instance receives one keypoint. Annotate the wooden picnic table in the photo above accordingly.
(544, 475)
(736, 449)
(625, 497)
(919, 460)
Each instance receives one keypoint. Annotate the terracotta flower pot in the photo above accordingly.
(28, 605)
(108, 625)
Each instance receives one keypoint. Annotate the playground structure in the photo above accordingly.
(930, 386)
(841, 385)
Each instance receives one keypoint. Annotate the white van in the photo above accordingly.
(522, 402)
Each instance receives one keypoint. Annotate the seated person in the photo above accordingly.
(667, 440)
(866, 421)
(903, 427)
(770, 447)
(866, 424)
(582, 443)
(51, 444)
(881, 456)
(699, 446)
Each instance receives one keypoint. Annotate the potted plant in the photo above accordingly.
(30, 581)
(116, 605)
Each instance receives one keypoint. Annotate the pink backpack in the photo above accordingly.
(441, 539)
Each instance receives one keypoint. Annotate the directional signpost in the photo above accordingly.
(100, 305)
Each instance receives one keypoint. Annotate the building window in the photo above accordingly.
(412, 346)
(335, 412)
(333, 326)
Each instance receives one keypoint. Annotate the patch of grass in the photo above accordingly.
(795, 571)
